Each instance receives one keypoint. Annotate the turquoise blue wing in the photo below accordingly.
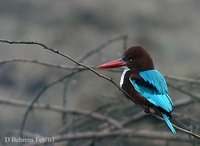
(153, 87)
(156, 79)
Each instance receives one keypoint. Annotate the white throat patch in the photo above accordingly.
(122, 76)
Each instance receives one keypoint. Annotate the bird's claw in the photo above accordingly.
(146, 109)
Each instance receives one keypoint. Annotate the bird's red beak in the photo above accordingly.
(112, 64)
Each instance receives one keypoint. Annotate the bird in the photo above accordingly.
(144, 84)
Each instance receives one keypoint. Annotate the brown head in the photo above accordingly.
(135, 57)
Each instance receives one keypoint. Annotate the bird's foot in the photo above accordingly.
(146, 109)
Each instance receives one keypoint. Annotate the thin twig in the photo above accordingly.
(40, 63)
(57, 108)
(61, 67)
(66, 56)
(179, 128)
(141, 114)
(191, 81)
(185, 92)
(123, 132)
(64, 67)
(64, 101)
(86, 112)
(104, 45)
(36, 98)
(80, 64)
(88, 55)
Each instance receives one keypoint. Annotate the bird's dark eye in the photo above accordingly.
(127, 59)
(130, 59)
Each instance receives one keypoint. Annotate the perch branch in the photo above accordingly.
(80, 64)
(65, 56)
(185, 92)
(36, 98)
(123, 132)
(90, 113)
(57, 108)
(104, 45)
(179, 128)
(141, 114)
(187, 80)
(86, 56)
(41, 63)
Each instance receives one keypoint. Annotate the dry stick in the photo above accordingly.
(46, 65)
(83, 58)
(43, 90)
(99, 48)
(86, 56)
(65, 89)
(64, 102)
(78, 111)
(126, 121)
(179, 128)
(35, 99)
(64, 67)
(185, 92)
(80, 64)
(147, 134)
(141, 114)
(41, 63)
(123, 37)
(73, 68)
(61, 79)
(64, 94)
(57, 108)
(187, 80)
(81, 119)
(55, 66)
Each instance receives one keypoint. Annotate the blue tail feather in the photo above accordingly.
(169, 124)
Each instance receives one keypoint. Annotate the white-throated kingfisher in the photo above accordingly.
(145, 85)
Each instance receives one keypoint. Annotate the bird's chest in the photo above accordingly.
(128, 87)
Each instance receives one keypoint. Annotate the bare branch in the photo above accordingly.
(36, 98)
(57, 108)
(182, 79)
(86, 56)
(104, 45)
(182, 102)
(179, 128)
(185, 92)
(82, 65)
(41, 63)
(61, 54)
(141, 114)
(123, 132)
(66, 56)
(89, 113)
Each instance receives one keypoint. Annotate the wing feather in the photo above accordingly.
(153, 87)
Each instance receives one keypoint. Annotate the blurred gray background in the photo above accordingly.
(169, 30)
